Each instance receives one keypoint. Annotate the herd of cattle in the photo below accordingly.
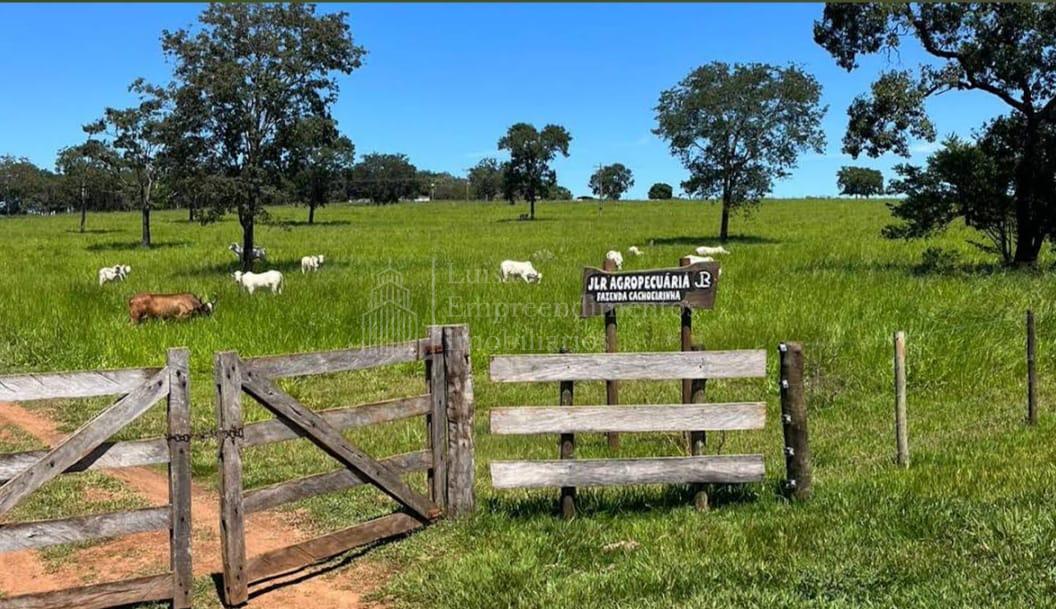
(523, 269)
(183, 305)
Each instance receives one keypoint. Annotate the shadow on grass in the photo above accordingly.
(614, 502)
(299, 223)
(93, 231)
(712, 240)
(525, 220)
(285, 266)
(125, 246)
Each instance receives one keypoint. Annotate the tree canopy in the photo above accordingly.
(860, 181)
(254, 73)
(528, 171)
(485, 179)
(1005, 50)
(320, 160)
(611, 181)
(738, 128)
(384, 178)
(661, 191)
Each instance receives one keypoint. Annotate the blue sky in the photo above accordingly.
(441, 83)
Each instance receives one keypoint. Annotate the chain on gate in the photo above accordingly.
(213, 434)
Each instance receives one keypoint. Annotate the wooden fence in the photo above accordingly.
(88, 448)
(568, 420)
(448, 458)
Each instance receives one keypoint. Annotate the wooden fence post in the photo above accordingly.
(228, 373)
(901, 426)
(687, 341)
(179, 440)
(794, 422)
(612, 388)
(461, 472)
(698, 440)
(566, 448)
(1032, 373)
(436, 421)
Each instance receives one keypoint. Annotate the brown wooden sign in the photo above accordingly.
(690, 286)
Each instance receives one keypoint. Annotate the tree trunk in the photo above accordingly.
(1028, 233)
(311, 213)
(146, 227)
(190, 209)
(247, 242)
(724, 229)
(84, 209)
(531, 213)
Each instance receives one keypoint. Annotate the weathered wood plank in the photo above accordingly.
(326, 437)
(628, 366)
(98, 596)
(326, 362)
(108, 455)
(84, 440)
(267, 432)
(228, 376)
(277, 494)
(81, 384)
(179, 424)
(437, 421)
(725, 469)
(314, 551)
(45, 533)
(461, 469)
(660, 418)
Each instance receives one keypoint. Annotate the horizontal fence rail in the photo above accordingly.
(724, 469)
(99, 596)
(603, 419)
(69, 385)
(628, 366)
(108, 455)
(344, 360)
(44, 533)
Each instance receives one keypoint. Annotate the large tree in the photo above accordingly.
(528, 171)
(255, 72)
(1007, 51)
(485, 179)
(320, 160)
(24, 186)
(738, 128)
(384, 178)
(860, 181)
(661, 191)
(88, 169)
(135, 135)
(611, 181)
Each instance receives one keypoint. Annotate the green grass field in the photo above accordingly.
(970, 524)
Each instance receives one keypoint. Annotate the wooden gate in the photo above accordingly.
(448, 408)
(87, 448)
(568, 420)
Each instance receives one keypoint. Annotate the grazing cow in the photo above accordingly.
(704, 250)
(695, 259)
(616, 257)
(524, 270)
(268, 279)
(114, 273)
(167, 306)
(259, 253)
(311, 263)
(634, 251)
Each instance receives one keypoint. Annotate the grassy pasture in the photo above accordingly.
(969, 525)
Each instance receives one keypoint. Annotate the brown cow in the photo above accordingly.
(167, 306)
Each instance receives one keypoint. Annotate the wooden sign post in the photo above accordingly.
(690, 286)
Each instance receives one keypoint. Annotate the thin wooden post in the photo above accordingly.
(687, 340)
(179, 440)
(794, 419)
(612, 388)
(566, 446)
(901, 426)
(698, 440)
(228, 373)
(436, 420)
(1032, 373)
(461, 467)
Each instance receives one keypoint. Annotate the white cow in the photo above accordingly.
(704, 250)
(311, 263)
(259, 253)
(695, 259)
(268, 279)
(616, 257)
(117, 272)
(634, 251)
(524, 270)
